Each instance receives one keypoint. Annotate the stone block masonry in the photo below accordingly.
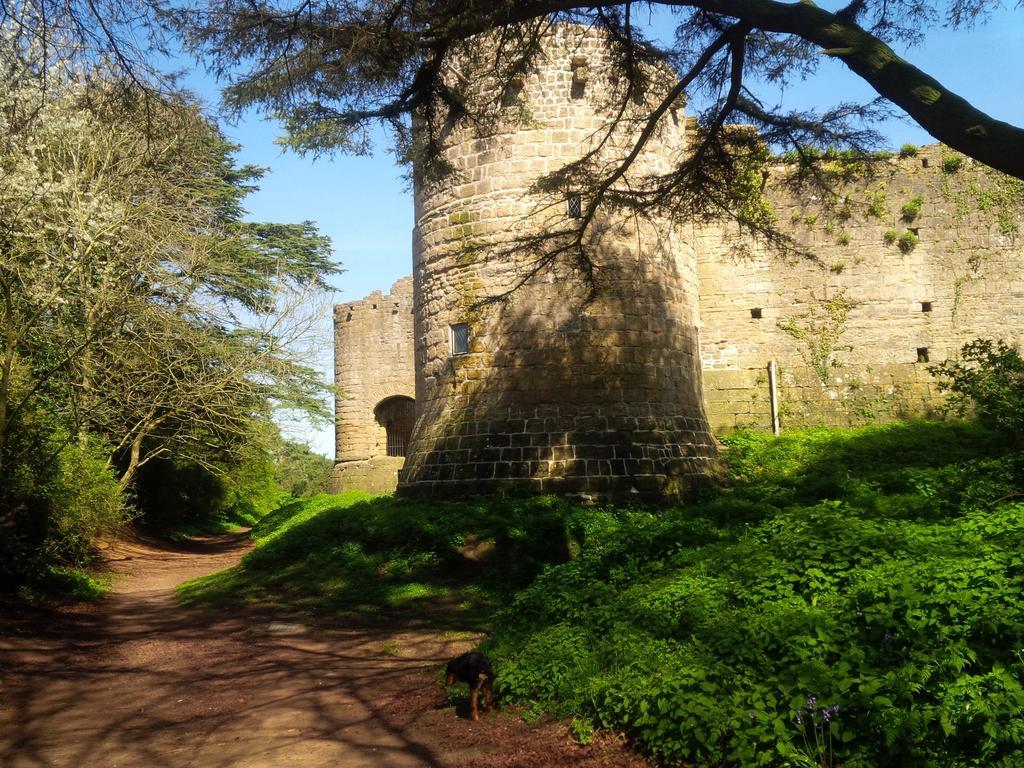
(908, 263)
(558, 389)
(529, 380)
(373, 370)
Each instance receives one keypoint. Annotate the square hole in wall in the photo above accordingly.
(924, 162)
(755, 313)
(926, 306)
(575, 205)
(460, 338)
(922, 354)
(513, 93)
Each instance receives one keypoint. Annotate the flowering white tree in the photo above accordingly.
(136, 304)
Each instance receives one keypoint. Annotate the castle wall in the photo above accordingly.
(560, 390)
(846, 325)
(373, 362)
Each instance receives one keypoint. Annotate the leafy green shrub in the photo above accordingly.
(907, 241)
(890, 236)
(908, 150)
(86, 503)
(952, 163)
(876, 204)
(850, 599)
(912, 208)
(54, 504)
(988, 377)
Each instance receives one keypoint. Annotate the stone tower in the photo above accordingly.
(374, 410)
(529, 379)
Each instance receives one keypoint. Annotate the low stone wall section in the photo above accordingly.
(376, 475)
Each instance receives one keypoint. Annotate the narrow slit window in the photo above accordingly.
(580, 76)
(922, 354)
(924, 162)
(460, 339)
(575, 205)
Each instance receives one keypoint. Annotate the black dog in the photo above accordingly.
(473, 669)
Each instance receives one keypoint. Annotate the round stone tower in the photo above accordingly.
(558, 378)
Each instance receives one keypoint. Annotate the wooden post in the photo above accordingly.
(773, 394)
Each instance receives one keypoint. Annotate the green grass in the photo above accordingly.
(446, 564)
(879, 570)
(56, 585)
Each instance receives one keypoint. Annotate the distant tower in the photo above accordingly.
(374, 410)
(552, 389)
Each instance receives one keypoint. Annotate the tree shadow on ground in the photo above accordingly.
(439, 565)
(137, 680)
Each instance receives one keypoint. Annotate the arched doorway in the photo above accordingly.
(397, 415)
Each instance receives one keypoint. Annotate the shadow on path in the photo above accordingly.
(136, 680)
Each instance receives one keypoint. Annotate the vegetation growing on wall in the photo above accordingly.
(819, 330)
(1002, 197)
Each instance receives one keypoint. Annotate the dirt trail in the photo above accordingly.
(138, 681)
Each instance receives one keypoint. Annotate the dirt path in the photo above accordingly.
(138, 681)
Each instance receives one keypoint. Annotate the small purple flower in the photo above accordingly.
(811, 701)
(888, 638)
(799, 717)
(829, 712)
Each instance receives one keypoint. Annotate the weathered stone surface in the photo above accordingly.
(966, 270)
(617, 394)
(554, 378)
(373, 363)
(376, 475)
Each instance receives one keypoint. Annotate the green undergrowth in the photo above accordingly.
(367, 556)
(849, 598)
(852, 598)
(59, 584)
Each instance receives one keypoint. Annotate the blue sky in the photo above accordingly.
(363, 203)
